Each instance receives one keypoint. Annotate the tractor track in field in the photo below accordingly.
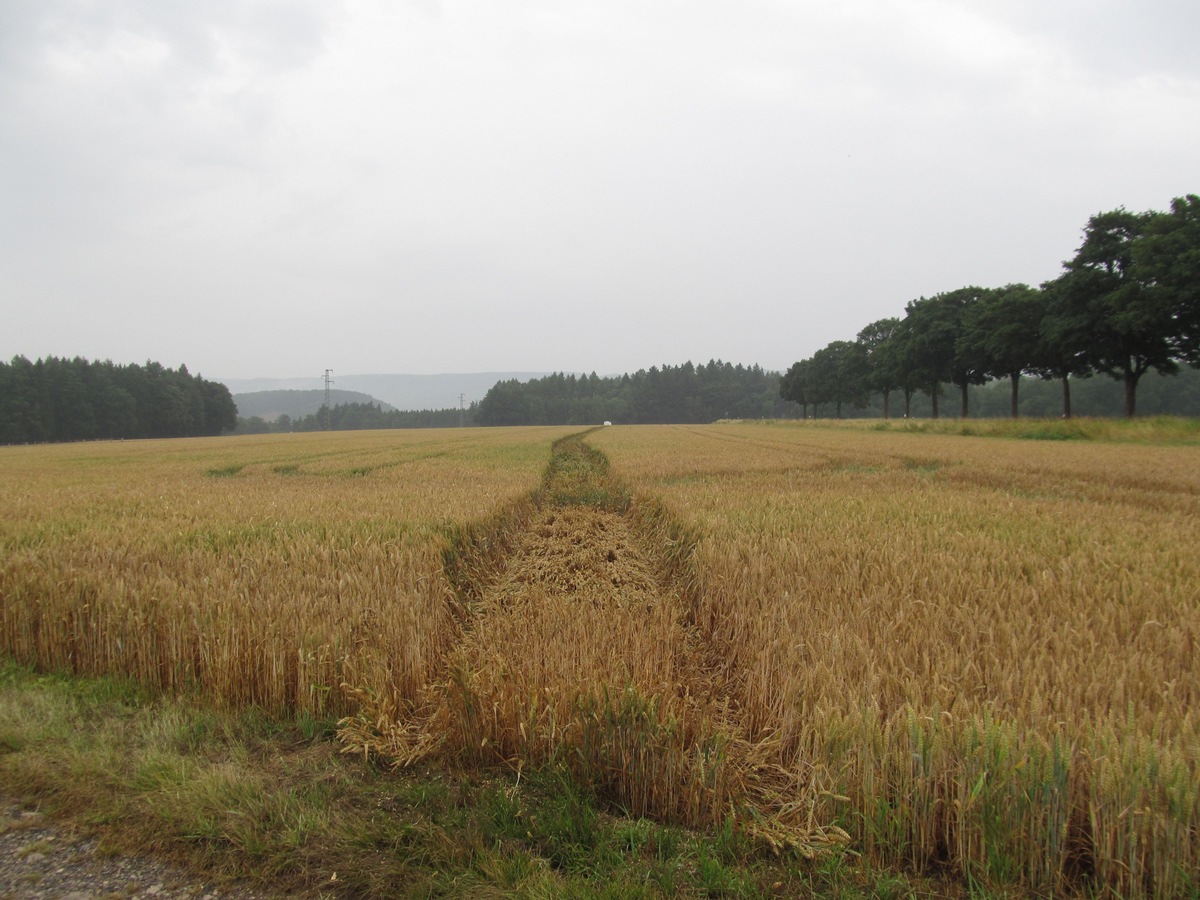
(577, 647)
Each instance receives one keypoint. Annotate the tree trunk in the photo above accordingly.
(1016, 378)
(907, 402)
(965, 410)
(1131, 380)
(887, 404)
(1066, 380)
(933, 396)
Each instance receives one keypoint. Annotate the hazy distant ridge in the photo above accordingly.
(405, 392)
(270, 405)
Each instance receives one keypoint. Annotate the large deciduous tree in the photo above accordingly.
(1166, 260)
(933, 328)
(925, 348)
(794, 385)
(1063, 349)
(1000, 333)
(882, 376)
(965, 369)
(1129, 326)
(837, 375)
(898, 356)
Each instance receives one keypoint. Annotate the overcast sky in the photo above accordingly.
(276, 188)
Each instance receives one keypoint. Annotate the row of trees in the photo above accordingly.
(1092, 398)
(1128, 303)
(76, 400)
(359, 416)
(676, 394)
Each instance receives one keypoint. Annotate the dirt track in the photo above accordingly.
(39, 859)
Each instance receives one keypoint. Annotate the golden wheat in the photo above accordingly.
(975, 653)
(264, 570)
(987, 645)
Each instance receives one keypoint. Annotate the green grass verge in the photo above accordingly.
(241, 797)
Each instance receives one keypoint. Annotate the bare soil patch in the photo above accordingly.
(40, 858)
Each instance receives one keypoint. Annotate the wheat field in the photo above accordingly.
(984, 649)
(965, 655)
(260, 571)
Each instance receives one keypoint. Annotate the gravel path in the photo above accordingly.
(39, 858)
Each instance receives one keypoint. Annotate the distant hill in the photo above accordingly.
(405, 392)
(270, 405)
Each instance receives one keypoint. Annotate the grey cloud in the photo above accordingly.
(1113, 39)
(533, 185)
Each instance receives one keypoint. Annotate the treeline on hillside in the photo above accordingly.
(1127, 304)
(76, 400)
(672, 394)
(359, 416)
(296, 404)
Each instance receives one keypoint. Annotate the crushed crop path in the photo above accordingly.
(578, 648)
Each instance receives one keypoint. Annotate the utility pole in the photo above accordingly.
(462, 409)
(328, 382)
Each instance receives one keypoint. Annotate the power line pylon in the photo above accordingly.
(327, 409)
